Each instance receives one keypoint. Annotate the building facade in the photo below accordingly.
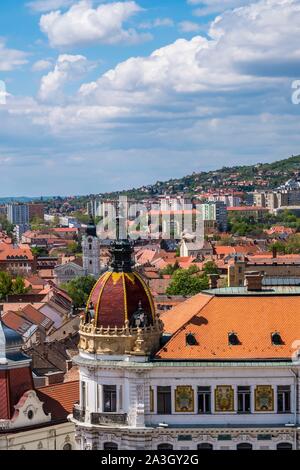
(215, 211)
(219, 371)
(18, 214)
(36, 211)
(30, 418)
(91, 251)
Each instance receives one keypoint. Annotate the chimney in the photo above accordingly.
(254, 280)
(213, 281)
(274, 251)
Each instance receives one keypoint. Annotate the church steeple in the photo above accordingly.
(91, 250)
(91, 229)
(121, 252)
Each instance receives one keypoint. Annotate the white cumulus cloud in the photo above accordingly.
(67, 67)
(83, 24)
(42, 6)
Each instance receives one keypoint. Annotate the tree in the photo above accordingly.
(170, 269)
(9, 286)
(6, 284)
(83, 218)
(38, 224)
(18, 286)
(210, 267)
(79, 290)
(55, 221)
(39, 252)
(291, 246)
(6, 225)
(188, 282)
(73, 248)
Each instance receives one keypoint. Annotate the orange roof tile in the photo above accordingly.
(175, 318)
(59, 399)
(252, 317)
(11, 251)
(247, 208)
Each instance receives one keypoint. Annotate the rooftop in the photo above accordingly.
(59, 399)
(253, 316)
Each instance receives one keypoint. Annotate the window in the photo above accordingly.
(191, 340)
(284, 446)
(277, 339)
(83, 395)
(90, 246)
(165, 447)
(205, 446)
(233, 339)
(67, 447)
(110, 446)
(164, 400)
(204, 400)
(109, 398)
(244, 446)
(98, 397)
(244, 400)
(284, 399)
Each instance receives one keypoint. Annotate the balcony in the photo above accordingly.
(105, 419)
(78, 414)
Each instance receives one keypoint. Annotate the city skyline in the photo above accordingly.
(144, 91)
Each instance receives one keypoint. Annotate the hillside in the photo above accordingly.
(246, 178)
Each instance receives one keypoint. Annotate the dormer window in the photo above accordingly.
(277, 339)
(191, 340)
(233, 339)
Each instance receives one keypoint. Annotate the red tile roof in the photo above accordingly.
(13, 384)
(11, 251)
(247, 208)
(252, 317)
(65, 230)
(59, 399)
(36, 317)
(17, 322)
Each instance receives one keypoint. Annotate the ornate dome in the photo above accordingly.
(117, 297)
(120, 316)
(120, 294)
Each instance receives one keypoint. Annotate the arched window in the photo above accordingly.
(205, 446)
(284, 446)
(110, 446)
(165, 447)
(67, 447)
(244, 446)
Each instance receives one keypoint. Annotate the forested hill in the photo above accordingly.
(258, 176)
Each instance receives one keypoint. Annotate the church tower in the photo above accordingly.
(91, 250)
(119, 333)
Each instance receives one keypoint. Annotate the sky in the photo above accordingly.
(107, 95)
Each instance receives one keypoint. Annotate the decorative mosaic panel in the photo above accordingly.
(264, 398)
(184, 399)
(224, 398)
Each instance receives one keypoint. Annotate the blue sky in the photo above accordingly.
(106, 95)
